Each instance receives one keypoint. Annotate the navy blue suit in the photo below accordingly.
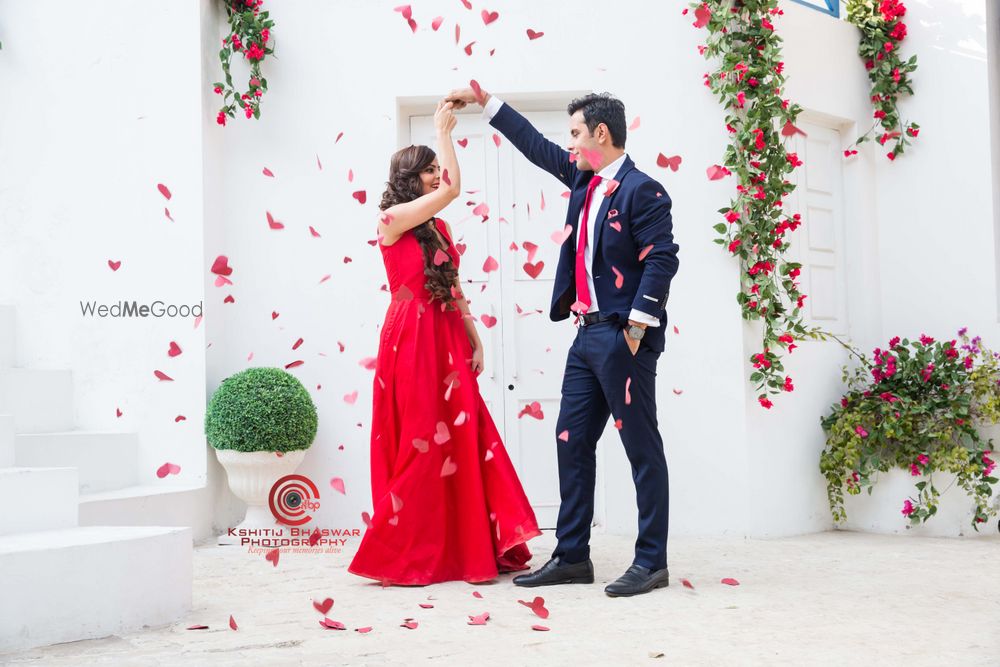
(603, 379)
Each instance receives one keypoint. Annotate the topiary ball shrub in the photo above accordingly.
(261, 410)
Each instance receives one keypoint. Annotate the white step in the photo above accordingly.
(6, 441)
(84, 583)
(7, 349)
(106, 460)
(33, 499)
(40, 400)
(151, 505)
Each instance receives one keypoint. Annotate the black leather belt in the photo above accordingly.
(594, 317)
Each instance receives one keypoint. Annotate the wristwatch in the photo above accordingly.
(635, 332)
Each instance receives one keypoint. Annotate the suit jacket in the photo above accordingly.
(641, 207)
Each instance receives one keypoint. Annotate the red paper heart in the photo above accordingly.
(164, 190)
(167, 469)
(268, 172)
(540, 628)
(442, 435)
(533, 409)
(272, 223)
(490, 265)
(488, 321)
(351, 397)
(338, 485)
(730, 582)
(361, 196)
(272, 556)
(114, 265)
(232, 623)
(619, 278)
(436, 23)
(221, 266)
(482, 210)
(449, 467)
(533, 269)
(174, 350)
(160, 375)
(480, 619)
(560, 237)
(538, 606)
(323, 607)
(440, 257)
(332, 625)
(534, 35)
(463, 142)
(673, 162)
(489, 17)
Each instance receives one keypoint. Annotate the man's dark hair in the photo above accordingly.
(602, 108)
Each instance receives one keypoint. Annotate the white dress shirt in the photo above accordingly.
(490, 109)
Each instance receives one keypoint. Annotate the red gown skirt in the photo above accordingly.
(448, 504)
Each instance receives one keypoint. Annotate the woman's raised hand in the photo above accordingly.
(444, 118)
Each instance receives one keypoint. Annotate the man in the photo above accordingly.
(614, 275)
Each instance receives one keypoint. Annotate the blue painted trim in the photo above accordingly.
(832, 6)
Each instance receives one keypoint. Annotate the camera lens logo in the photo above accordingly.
(293, 500)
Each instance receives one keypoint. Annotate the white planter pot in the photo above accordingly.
(251, 476)
(881, 511)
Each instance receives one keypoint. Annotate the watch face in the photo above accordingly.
(636, 332)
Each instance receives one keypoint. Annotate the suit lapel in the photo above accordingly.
(602, 213)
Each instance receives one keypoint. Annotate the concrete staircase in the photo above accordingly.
(70, 568)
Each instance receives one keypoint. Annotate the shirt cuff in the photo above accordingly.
(645, 318)
(491, 107)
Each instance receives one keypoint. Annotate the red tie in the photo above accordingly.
(582, 291)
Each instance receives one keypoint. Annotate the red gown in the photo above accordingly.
(448, 504)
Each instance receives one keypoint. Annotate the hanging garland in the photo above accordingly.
(748, 83)
(249, 34)
(881, 32)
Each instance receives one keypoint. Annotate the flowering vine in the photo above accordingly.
(748, 83)
(249, 34)
(918, 411)
(882, 29)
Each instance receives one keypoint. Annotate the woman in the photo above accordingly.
(447, 502)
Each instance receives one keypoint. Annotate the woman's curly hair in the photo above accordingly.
(404, 185)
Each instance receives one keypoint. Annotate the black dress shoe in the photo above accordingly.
(555, 572)
(636, 580)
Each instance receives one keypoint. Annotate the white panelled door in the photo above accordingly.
(819, 244)
(525, 351)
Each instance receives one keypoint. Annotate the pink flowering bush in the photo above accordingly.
(748, 78)
(250, 36)
(916, 406)
(882, 29)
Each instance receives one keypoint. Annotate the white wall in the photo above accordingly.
(99, 106)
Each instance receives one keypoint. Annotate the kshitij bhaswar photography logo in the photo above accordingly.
(293, 500)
